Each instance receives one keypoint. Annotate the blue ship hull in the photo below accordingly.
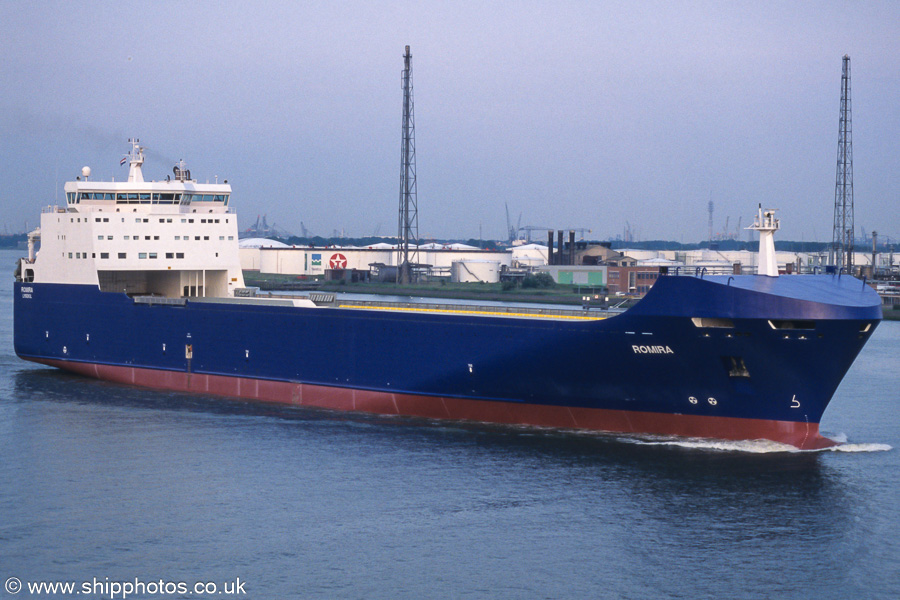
(737, 357)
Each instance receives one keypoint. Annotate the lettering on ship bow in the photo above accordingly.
(652, 349)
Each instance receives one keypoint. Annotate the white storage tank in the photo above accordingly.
(471, 271)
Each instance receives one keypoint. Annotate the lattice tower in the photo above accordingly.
(408, 230)
(841, 254)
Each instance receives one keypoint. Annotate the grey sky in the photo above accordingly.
(576, 114)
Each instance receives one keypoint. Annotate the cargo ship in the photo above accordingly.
(139, 282)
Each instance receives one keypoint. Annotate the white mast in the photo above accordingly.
(766, 224)
(135, 175)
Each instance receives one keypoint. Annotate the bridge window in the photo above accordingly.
(122, 255)
(104, 255)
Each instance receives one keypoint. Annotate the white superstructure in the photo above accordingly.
(173, 238)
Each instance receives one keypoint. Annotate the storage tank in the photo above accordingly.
(470, 271)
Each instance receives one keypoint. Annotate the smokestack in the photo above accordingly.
(874, 246)
(549, 246)
(561, 253)
(571, 246)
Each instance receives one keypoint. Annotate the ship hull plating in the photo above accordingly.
(741, 358)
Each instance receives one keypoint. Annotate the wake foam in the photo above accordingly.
(858, 448)
(751, 446)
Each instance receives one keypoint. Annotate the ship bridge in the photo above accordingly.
(137, 195)
(172, 238)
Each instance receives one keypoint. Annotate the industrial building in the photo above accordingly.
(458, 262)
(625, 271)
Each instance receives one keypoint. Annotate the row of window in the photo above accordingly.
(152, 255)
(146, 197)
(638, 274)
(143, 220)
(156, 237)
(123, 255)
(168, 220)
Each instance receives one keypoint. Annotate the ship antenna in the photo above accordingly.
(136, 160)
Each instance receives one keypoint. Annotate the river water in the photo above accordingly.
(102, 484)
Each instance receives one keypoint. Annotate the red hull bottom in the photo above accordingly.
(801, 435)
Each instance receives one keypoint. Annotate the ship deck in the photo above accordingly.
(328, 301)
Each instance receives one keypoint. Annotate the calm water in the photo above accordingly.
(118, 484)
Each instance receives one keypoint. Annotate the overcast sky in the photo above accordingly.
(575, 114)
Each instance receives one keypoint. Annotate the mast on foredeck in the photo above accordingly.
(766, 224)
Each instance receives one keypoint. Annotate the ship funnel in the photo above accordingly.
(181, 173)
(766, 224)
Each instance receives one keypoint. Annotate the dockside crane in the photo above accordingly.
(513, 232)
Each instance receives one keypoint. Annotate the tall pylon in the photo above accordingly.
(408, 230)
(841, 254)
